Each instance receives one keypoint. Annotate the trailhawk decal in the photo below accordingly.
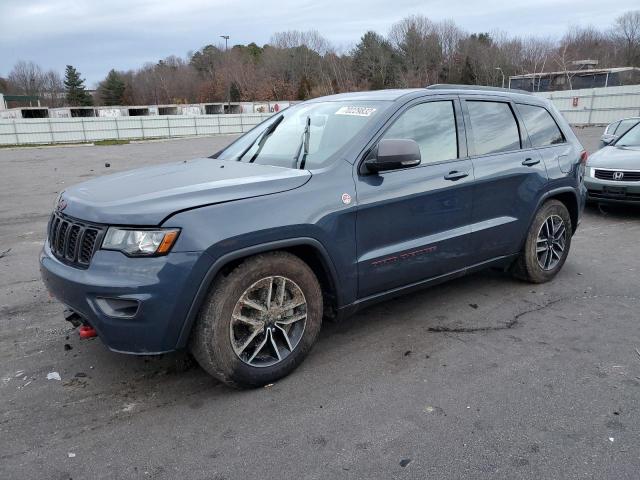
(405, 256)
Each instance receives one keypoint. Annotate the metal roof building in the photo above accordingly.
(576, 79)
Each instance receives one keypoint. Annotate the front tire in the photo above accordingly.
(547, 245)
(260, 321)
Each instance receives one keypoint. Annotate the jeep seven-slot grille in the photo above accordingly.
(618, 175)
(72, 241)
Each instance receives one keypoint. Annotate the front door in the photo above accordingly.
(414, 224)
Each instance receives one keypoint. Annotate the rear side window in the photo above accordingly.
(543, 129)
(433, 126)
(494, 127)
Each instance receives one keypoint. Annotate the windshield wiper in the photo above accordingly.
(304, 144)
(262, 138)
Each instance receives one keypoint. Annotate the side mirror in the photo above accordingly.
(392, 154)
(607, 140)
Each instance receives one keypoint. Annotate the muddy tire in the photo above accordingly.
(258, 322)
(547, 244)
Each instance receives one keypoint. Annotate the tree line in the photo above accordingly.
(299, 65)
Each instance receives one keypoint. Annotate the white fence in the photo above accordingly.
(596, 106)
(78, 130)
(593, 106)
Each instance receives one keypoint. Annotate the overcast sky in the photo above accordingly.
(96, 36)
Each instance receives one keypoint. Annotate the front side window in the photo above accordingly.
(433, 126)
(494, 127)
(612, 128)
(543, 129)
(305, 135)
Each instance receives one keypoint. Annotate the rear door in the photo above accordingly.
(546, 138)
(510, 176)
(414, 224)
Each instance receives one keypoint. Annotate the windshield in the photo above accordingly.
(631, 138)
(305, 135)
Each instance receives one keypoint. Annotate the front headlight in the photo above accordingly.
(138, 243)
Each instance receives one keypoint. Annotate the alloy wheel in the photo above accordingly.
(268, 321)
(551, 242)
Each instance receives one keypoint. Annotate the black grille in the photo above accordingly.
(614, 174)
(634, 197)
(72, 241)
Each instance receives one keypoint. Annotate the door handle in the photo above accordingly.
(530, 162)
(455, 175)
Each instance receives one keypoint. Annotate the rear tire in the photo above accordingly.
(271, 305)
(547, 244)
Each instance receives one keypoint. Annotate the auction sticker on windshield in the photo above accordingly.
(357, 111)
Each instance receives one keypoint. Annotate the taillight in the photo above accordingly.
(583, 157)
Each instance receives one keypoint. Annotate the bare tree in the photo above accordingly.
(417, 40)
(627, 31)
(53, 89)
(26, 78)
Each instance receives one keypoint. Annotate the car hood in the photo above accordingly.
(620, 158)
(146, 196)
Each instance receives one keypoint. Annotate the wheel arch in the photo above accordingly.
(310, 250)
(568, 197)
(570, 200)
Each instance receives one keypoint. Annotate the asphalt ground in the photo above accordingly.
(484, 376)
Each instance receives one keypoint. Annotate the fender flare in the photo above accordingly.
(220, 262)
(544, 197)
(557, 191)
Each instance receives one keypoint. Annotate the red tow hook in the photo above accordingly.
(86, 331)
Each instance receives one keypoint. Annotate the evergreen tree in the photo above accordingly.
(468, 76)
(74, 88)
(235, 93)
(112, 89)
(375, 61)
(304, 88)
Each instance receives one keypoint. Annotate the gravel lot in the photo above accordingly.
(483, 376)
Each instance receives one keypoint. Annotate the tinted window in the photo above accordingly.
(541, 126)
(494, 127)
(433, 126)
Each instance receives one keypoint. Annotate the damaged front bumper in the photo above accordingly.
(136, 305)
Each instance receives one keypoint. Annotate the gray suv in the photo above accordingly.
(326, 207)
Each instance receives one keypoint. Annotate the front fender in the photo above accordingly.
(220, 263)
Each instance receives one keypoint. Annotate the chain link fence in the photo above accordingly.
(86, 130)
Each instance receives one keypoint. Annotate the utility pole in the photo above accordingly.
(226, 53)
(498, 68)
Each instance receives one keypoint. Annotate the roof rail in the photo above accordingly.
(451, 86)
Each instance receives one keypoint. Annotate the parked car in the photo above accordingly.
(326, 207)
(613, 172)
(616, 129)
